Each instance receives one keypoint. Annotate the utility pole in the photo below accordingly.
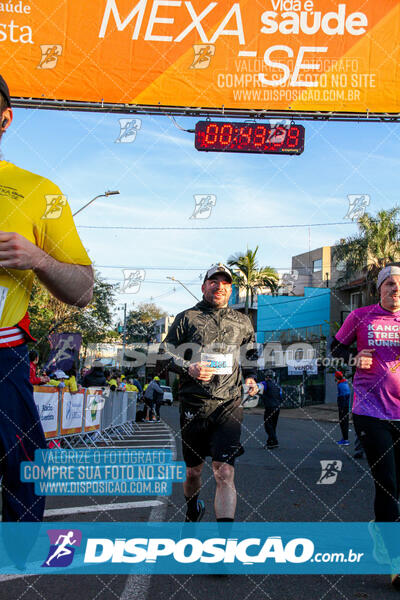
(124, 334)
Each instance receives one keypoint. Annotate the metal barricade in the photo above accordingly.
(103, 415)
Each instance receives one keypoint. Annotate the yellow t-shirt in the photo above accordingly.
(130, 387)
(71, 384)
(34, 207)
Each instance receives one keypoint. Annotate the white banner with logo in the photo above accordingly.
(46, 400)
(72, 412)
(94, 403)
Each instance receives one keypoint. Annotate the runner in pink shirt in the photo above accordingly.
(376, 405)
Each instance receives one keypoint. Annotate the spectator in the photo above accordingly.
(112, 381)
(343, 401)
(71, 381)
(151, 395)
(158, 396)
(136, 382)
(96, 376)
(58, 379)
(131, 387)
(33, 377)
(271, 395)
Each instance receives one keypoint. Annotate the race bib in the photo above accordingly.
(222, 363)
(3, 296)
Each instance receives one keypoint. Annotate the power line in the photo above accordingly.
(152, 281)
(227, 228)
(151, 268)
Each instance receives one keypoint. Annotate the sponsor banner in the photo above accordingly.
(46, 400)
(199, 548)
(64, 350)
(71, 412)
(94, 403)
(312, 55)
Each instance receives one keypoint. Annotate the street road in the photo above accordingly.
(273, 485)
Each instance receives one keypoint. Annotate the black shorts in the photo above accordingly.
(217, 435)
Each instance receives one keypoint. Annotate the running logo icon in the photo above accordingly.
(289, 279)
(50, 55)
(330, 470)
(357, 206)
(62, 547)
(133, 279)
(54, 206)
(203, 54)
(203, 205)
(128, 130)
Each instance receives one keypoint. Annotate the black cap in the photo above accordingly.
(218, 269)
(5, 91)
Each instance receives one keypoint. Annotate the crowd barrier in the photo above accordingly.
(88, 417)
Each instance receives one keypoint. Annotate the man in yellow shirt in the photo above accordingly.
(37, 237)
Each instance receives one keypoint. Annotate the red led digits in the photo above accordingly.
(227, 136)
(293, 137)
(211, 134)
(260, 133)
(245, 136)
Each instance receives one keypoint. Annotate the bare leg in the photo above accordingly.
(225, 495)
(192, 485)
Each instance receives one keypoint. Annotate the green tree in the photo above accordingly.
(49, 315)
(376, 244)
(250, 276)
(140, 322)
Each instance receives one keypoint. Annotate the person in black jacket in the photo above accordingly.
(203, 346)
(271, 397)
(95, 377)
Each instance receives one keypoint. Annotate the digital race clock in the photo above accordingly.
(225, 136)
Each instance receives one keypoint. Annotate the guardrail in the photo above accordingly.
(88, 417)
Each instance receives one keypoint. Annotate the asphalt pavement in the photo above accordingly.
(273, 485)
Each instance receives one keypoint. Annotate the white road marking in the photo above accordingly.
(74, 510)
(137, 586)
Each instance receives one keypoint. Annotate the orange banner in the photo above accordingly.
(308, 55)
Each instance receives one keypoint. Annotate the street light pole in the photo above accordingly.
(112, 193)
(184, 286)
(124, 334)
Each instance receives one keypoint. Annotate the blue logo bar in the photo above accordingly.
(200, 548)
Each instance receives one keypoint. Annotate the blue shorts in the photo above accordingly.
(21, 434)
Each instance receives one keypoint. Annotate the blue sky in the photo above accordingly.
(160, 172)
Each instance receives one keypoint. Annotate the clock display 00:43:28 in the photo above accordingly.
(214, 136)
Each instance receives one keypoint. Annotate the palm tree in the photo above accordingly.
(250, 276)
(367, 252)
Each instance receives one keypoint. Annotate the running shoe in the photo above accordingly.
(272, 445)
(201, 508)
(343, 443)
(395, 580)
(379, 552)
(358, 455)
